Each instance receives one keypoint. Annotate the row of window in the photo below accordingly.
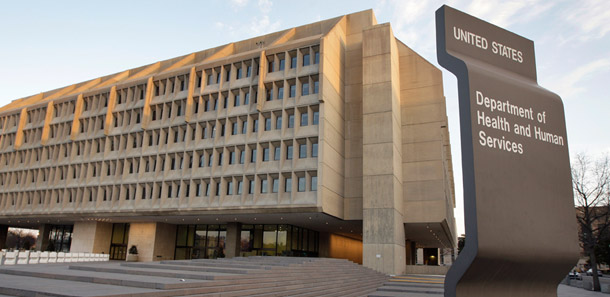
(286, 182)
(270, 151)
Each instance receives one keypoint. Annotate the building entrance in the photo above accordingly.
(118, 243)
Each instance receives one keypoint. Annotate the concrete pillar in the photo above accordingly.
(233, 240)
(383, 223)
(42, 241)
(91, 237)
(155, 241)
(411, 251)
(3, 235)
(420, 256)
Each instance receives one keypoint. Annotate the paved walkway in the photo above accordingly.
(567, 291)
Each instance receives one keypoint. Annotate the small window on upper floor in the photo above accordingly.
(316, 57)
(306, 59)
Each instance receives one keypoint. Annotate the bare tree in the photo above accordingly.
(591, 182)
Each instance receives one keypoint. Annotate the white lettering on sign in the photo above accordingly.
(493, 117)
(482, 43)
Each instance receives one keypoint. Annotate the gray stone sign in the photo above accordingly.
(521, 236)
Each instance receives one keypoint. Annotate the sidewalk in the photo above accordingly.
(567, 291)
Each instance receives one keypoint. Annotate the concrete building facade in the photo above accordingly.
(328, 139)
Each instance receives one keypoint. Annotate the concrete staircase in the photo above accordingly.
(414, 285)
(251, 276)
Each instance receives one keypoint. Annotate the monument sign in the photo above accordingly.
(521, 236)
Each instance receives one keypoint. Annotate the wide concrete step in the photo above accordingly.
(411, 285)
(127, 280)
(186, 267)
(150, 272)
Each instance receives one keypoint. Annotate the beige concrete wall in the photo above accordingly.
(383, 229)
(155, 241)
(427, 171)
(91, 237)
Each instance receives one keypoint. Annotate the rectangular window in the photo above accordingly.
(316, 117)
(267, 124)
(305, 89)
(291, 121)
(265, 154)
(228, 74)
(218, 189)
(276, 153)
(306, 59)
(235, 128)
(246, 98)
(253, 156)
(302, 151)
(201, 160)
(215, 104)
(239, 187)
(289, 152)
(314, 183)
(264, 185)
(230, 188)
(293, 62)
(282, 64)
(225, 101)
(278, 123)
(249, 71)
(236, 100)
(288, 185)
(232, 157)
(304, 120)
(314, 150)
(255, 126)
(301, 185)
(220, 159)
(271, 64)
(251, 187)
(210, 79)
(239, 73)
(199, 190)
(269, 94)
(316, 87)
(293, 90)
(207, 189)
(276, 185)
(242, 156)
(316, 57)
(280, 93)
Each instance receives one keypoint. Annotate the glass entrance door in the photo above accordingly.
(118, 243)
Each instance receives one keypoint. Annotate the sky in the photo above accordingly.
(46, 45)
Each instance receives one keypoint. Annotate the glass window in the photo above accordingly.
(289, 152)
(230, 188)
(253, 156)
(246, 98)
(234, 129)
(291, 121)
(282, 64)
(239, 187)
(293, 62)
(316, 57)
(305, 89)
(269, 94)
(232, 157)
(306, 59)
(267, 124)
(303, 151)
(236, 100)
(207, 189)
(314, 183)
(316, 117)
(276, 153)
(278, 123)
(304, 120)
(280, 93)
(293, 90)
(210, 79)
(314, 150)
(251, 187)
(276, 185)
(288, 185)
(265, 154)
(249, 71)
(316, 87)
(271, 64)
(218, 189)
(242, 156)
(264, 185)
(255, 126)
(239, 73)
(301, 184)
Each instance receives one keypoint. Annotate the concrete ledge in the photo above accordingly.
(424, 269)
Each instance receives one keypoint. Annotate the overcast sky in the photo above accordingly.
(45, 45)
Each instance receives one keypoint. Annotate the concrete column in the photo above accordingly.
(155, 241)
(420, 256)
(411, 250)
(42, 242)
(3, 235)
(383, 223)
(233, 241)
(91, 237)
